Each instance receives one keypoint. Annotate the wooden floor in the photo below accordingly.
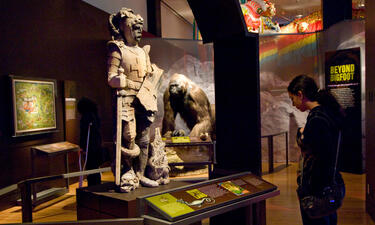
(284, 209)
(281, 210)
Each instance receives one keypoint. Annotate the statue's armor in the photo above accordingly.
(135, 63)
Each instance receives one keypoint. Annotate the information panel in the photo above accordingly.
(343, 79)
(184, 202)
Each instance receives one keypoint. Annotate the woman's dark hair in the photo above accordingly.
(85, 105)
(89, 111)
(310, 90)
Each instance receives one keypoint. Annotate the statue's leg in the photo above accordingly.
(129, 150)
(129, 133)
(128, 143)
(128, 118)
(143, 140)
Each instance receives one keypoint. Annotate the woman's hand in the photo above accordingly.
(301, 131)
(300, 136)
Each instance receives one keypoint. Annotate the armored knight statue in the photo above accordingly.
(135, 81)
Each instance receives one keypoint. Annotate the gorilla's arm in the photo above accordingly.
(201, 107)
(169, 114)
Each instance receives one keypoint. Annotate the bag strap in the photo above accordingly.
(327, 119)
(337, 155)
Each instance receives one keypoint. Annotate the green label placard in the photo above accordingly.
(168, 204)
(184, 139)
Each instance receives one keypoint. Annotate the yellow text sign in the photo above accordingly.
(184, 139)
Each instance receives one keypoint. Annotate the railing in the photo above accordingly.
(26, 193)
(8, 189)
(270, 149)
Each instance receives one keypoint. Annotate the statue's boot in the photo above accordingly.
(147, 182)
(141, 168)
(129, 181)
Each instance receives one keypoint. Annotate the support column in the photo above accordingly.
(336, 11)
(370, 108)
(154, 17)
(237, 96)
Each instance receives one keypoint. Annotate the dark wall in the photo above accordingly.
(154, 17)
(56, 39)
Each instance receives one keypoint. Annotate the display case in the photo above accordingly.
(193, 61)
(192, 203)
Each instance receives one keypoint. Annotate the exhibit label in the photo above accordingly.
(170, 205)
(178, 204)
(343, 80)
(342, 73)
(184, 139)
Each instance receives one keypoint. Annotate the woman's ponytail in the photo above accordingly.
(327, 100)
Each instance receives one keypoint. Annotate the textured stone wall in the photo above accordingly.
(278, 115)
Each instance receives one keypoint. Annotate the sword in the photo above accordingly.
(118, 134)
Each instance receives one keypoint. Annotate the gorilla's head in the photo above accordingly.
(178, 85)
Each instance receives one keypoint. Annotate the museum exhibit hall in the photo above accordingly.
(151, 112)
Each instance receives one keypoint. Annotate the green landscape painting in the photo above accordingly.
(34, 105)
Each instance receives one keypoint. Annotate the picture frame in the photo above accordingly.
(34, 105)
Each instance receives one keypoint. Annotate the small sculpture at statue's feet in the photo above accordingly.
(157, 167)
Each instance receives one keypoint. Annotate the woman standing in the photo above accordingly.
(318, 141)
(90, 132)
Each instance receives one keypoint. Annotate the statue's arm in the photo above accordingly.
(116, 77)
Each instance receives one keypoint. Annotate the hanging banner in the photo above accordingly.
(343, 80)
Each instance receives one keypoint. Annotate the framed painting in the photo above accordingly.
(34, 106)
